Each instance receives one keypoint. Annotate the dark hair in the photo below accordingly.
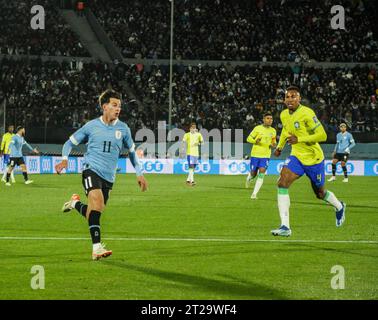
(107, 95)
(293, 88)
(19, 128)
(193, 124)
(268, 114)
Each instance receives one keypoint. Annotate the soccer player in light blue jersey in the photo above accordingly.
(16, 157)
(344, 144)
(106, 137)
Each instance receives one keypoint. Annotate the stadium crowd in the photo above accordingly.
(18, 38)
(260, 30)
(65, 94)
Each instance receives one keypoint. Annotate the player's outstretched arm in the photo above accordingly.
(31, 148)
(142, 182)
(129, 144)
(67, 147)
(252, 138)
(319, 135)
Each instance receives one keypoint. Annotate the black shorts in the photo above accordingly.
(16, 162)
(92, 181)
(341, 157)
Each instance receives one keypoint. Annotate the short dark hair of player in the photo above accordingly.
(19, 128)
(193, 124)
(107, 95)
(267, 114)
(293, 88)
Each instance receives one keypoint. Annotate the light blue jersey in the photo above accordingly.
(344, 142)
(105, 144)
(16, 145)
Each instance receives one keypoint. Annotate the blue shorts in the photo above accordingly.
(257, 163)
(6, 159)
(316, 173)
(192, 161)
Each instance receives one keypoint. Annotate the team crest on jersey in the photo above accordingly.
(118, 135)
(296, 125)
(315, 119)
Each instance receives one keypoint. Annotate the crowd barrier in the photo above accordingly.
(45, 165)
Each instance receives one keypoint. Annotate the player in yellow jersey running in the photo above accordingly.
(263, 138)
(303, 131)
(192, 140)
(5, 152)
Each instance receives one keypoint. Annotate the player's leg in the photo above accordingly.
(190, 177)
(12, 173)
(263, 166)
(6, 165)
(334, 163)
(22, 164)
(344, 167)
(291, 171)
(10, 169)
(89, 180)
(316, 174)
(253, 169)
(5, 168)
(96, 205)
(192, 162)
(97, 190)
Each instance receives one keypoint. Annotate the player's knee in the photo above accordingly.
(283, 183)
(320, 194)
(96, 202)
(98, 206)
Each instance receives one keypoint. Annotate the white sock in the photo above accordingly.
(5, 173)
(283, 206)
(97, 246)
(12, 176)
(191, 174)
(249, 176)
(331, 199)
(258, 184)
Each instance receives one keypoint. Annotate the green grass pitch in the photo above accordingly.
(177, 242)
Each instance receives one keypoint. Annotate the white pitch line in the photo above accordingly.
(196, 240)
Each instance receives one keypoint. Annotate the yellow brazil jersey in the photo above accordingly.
(304, 124)
(7, 138)
(192, 141)
(268, 138)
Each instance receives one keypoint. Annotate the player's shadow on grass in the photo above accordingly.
(234, 288)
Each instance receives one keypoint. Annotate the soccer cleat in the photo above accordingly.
(193, 183)
(29, 181)
(68, 206)
(8, 184)
(254, 196)
(283, 231)
(101, 252)
(333, 178)
(340, 215)
(345, 180)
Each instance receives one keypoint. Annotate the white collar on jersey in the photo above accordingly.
(113, 124)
